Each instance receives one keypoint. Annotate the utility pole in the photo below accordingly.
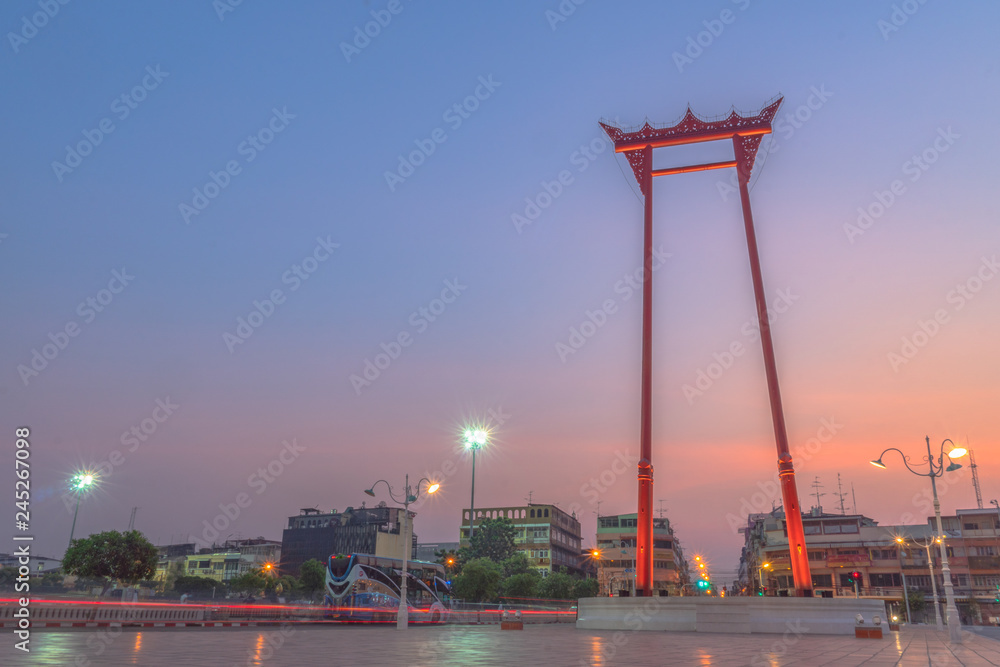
(975, 478)
(841, 495)
(131, 521)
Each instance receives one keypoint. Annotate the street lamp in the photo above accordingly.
(930, 567)
(403, 613)
(760, 576)
(906, 596)
(937, 469)
(474, 439)
(79, 482)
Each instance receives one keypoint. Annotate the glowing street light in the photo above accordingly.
(409, 496)
(474, 440)
(937, 469)
(80, 482)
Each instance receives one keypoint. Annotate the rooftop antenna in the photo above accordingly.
(599, 508)
(131, 521)
(661, 510)
(975, 476)
(841, 495)
(854, 499)
(532, 492)
(816, 485)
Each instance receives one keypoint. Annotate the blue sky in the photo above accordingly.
(879, 96)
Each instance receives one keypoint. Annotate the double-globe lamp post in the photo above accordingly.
(409, 496)
(930, 566)
(79, 482)
(474, 440)
(937, 469)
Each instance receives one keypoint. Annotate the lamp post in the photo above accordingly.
(403, 613)
(596, 555)
(760, 575)
(474, 439)
(937, 469)
(930, 567)
(79, 482)
(906, 596)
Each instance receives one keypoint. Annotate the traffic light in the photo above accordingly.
(854, 578)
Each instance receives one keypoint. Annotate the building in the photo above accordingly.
(428, 552)
(548, 536)
(616, 541)
(887, 557)
(317, 535)
(38, 566)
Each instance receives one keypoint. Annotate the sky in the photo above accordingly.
(257, 256)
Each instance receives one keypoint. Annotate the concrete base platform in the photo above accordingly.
(741, 615)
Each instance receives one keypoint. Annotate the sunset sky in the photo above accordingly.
(441, 194)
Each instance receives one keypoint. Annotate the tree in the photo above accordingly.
(479, 581)
(192, 585)
(312, 576)
(585, 588)
(112, 556)
(248, 582)
(557, 586)
(52, 580)
(516, 564)
(521, 585)
(493, 539)
(8, 575)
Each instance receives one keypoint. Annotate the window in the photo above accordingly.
(662, 544)
(883, 554)
(532, 516)
(982, 551)
(811, 528)
(822, 581)
(848, 552)
(846, 584)
(886, 579)
(546, 511)
(817, 555)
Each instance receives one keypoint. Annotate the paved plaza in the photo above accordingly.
(548, 645)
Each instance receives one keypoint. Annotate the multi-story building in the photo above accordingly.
(318, 535)
(616, 541)
(548, 536)
(221, 566)
(887, 557)
(429, 552)
(38, 566)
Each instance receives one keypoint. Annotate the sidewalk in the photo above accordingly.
(474, 646)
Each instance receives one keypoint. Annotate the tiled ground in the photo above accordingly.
(548, 645)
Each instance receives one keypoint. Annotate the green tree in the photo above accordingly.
(192, 585)
(312, 577)
(248, 582)
(479, 581)
(557, 586)
(112, 556)
(917, 602)
(493, 539)
(521, 585)
(585, 588)
(52, 580)
(8, 575)
(516, 564)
